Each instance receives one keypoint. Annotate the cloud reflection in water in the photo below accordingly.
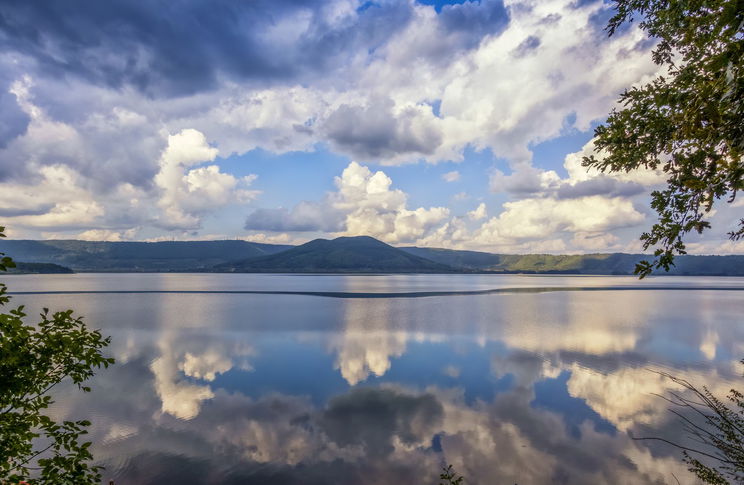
(529, 388)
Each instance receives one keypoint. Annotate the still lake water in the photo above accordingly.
(382, 378)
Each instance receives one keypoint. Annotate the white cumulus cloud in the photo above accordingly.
(479, 212)
(374, 209)
(187, 194)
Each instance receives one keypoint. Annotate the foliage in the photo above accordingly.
(34, 359)
(688, 123)
(450, 477)
(40, 268)
(716, 428)
(5, 261)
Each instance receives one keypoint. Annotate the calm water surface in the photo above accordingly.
(535, 384)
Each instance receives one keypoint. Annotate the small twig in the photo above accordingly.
(692, 450)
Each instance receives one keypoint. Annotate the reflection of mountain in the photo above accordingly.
(360, 254)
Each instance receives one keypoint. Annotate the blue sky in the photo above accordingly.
(448, 124)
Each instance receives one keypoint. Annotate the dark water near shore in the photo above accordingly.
(382, 378)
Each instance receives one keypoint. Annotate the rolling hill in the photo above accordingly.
(599, 264)
(135, 256)
(361, 254)
(472, 260)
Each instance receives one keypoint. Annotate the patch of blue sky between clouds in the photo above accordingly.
(439, 4)
(550, 154)
(288, 178)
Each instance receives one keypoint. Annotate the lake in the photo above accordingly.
(344, 379)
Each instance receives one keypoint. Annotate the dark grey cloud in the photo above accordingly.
(477, 18)
(13, 120)
(605, 186)
(181, 47)
(374, 132)
(305, 216)
(527, 182)
(26, 211)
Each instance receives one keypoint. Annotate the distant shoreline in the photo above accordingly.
(369, 295)
(344, 255)
(373, 273)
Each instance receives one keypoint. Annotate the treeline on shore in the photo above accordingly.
(341, 255)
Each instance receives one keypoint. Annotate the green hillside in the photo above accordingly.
(341, 255)
(474, 260)
(619, 264)
(39, 268)
(601, 264)
(135, 256)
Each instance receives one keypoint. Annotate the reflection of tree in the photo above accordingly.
(36, 358)
(716, 429)
(629, 399)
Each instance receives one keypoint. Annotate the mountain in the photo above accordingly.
(599, 264)
(361, 254)
(135, 256)
(473, 260)
(344, 255)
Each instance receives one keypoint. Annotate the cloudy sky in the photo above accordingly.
(451, 125)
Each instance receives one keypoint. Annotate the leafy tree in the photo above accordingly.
(33, 359)
(689, 122)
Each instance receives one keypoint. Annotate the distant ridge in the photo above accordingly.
(164, 256)
(473, 260)
(361, 254)
(38, 268)
(597, 264)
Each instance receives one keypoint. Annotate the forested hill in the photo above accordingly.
(135, 256)
(600, 264)
(342, 255)
(38, 268)
(360, 254)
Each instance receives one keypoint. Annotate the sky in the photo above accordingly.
(442, 124)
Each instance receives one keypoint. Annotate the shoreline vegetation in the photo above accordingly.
(344, 255)
(37, 446)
